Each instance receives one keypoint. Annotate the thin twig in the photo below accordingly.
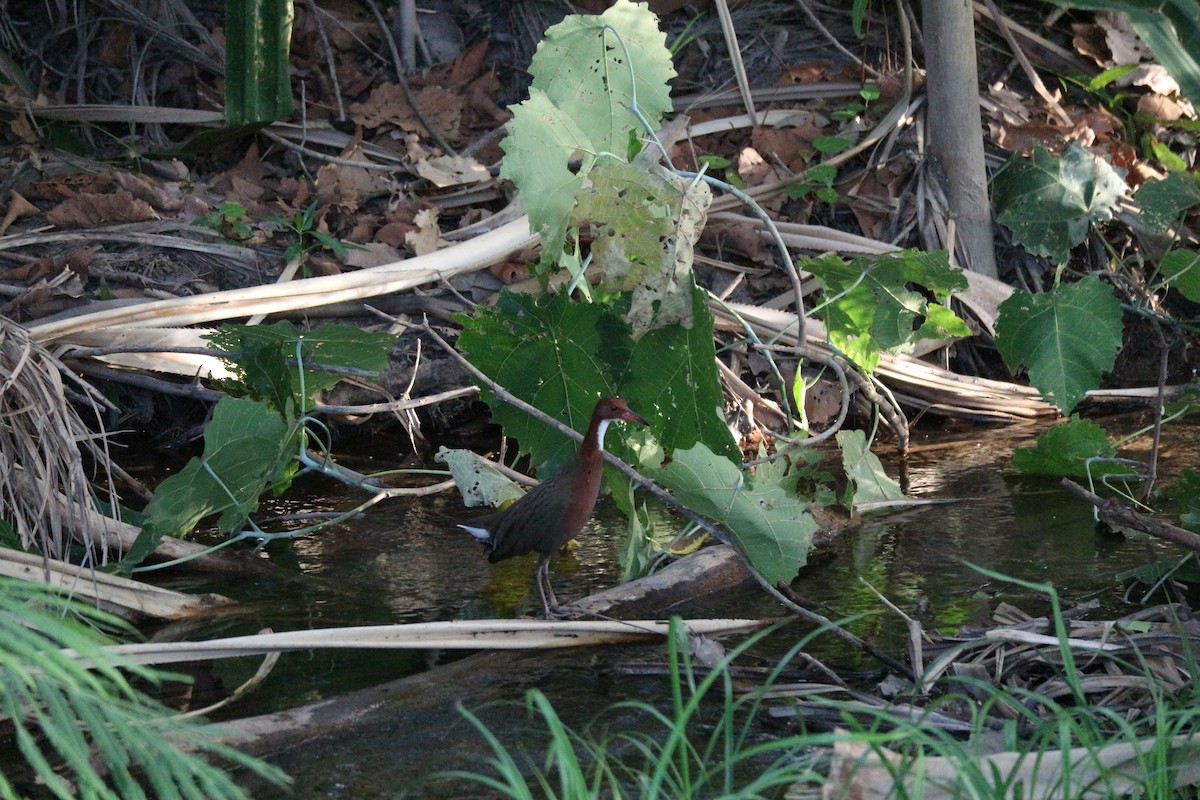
(833, 40)
(1119, 516)
(398, 63)
(735, 58)
(1030, 73)
(317, 13)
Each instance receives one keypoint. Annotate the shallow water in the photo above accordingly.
(404, 561)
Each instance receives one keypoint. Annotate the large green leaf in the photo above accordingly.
(561, 356)
(598, 67)
(1162, 202)
(587, 74)
(537, 151)
(547, 351)
(1049, 203)
(673, 379)
(1068, 337)
(870, 308)
(869, 481)
(1063, 451)
(772, 526)
(246, 446)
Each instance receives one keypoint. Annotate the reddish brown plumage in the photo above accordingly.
(555, 511)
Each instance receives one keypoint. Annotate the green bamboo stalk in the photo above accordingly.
(257, 36)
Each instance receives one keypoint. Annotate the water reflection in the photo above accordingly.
(405, 561)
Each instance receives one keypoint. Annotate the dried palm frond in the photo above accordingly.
(43, 445)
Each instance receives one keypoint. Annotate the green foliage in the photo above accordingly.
(672, 377)
(1162, 203)
(309, 237)
(1049, 203)
(869, 482)
(79, 723)
(588, 73)
(251, 442)
(549, 352)
(229, 220)
(1187, 494)
(645, 223)
(709, 743)
(1181, 269)
(868, 308)
(706, 744)
(772, 525)
(1068, 337)
(247, 446)
(263, 360)
(1068, 450)
(257, 81)
(562, 356)
(818, 181)
(1170, 28)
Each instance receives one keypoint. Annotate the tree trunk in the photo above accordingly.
(956, 129)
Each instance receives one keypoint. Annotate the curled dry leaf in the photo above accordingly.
(18, 207)
(88, 210)
(161, 195)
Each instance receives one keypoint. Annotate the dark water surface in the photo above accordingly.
(404, 561)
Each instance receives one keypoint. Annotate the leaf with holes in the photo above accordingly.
(644, 224)
(1068, 337)
(588, 73)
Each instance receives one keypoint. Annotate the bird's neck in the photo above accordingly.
(593, 440)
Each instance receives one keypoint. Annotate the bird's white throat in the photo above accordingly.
(600, 431)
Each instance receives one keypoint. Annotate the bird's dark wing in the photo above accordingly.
(535, 522)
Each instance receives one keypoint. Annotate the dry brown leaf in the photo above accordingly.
(508, 272)
(385, 104)
(18, 207)
(372, 254)
(441, 107)
(161, 195)
(443, 171)
(344, 186)
(392, 234)
(738, 237)
(755, 170)
(1159, 107)
(93, 210)
(792, 146)
(428, 236)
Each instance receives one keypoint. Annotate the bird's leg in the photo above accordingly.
(552, 608)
